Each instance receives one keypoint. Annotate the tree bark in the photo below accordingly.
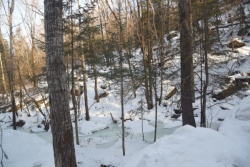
(62, 131)
(186, 63)
(73, 95)
(204, 93)
(11, 66)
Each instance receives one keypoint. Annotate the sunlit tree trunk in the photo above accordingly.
(3, 65)
(62, 131)
(11, 65)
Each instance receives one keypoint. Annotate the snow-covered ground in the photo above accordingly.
(225, 143)
(186, 147)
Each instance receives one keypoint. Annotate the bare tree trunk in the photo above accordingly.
(96, 88)
(186, 63)
(62, 131)
(3, 74)
(119, 47)
(121, 76)
(192, 34)
(4, 66)
(149, 59)
(143, 50)
(73, 76)
(156, 110)
(85, 91)
(107, 58)
(33, 66)
(11, 66)
(204, 93)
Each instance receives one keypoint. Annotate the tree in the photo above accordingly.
(119, 49)
(186, 63)
(62, 131)
(204, 90)
(11, 7)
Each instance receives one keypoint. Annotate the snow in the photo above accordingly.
(136, 126)
(187, 146)
(27, 150)
(195, 147)
(88, 127)
(223, 144)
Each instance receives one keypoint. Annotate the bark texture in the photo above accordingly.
(64, 151)
(186, 63)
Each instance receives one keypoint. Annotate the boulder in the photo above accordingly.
(243, 32)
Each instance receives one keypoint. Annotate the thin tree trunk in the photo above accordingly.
(3, 74)
(73, 77)
(203, 110)
(149, 60)
(120, 42)
(62, 131)
(129, 53)
(33, 60)
(11, 67)
(96, 88)
(143, 50)
(85, 91)
(156, 110)
(121, 76)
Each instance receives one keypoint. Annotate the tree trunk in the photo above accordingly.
(33, 65)
(85, 91)
(73, 76)
(96, 88)
(11, 66)
(143, 50)
(186, 63)
(62, 131)
(204, 93)
(149, 60)
(3, 74)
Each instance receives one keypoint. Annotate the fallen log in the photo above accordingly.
(171, 93)
(229, 91)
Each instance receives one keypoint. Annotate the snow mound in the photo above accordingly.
(24, 149)
(192, 147)
(243, 112)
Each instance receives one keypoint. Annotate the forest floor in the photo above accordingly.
(224, 143)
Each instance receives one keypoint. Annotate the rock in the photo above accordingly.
(243, 32)
(102, 165)
(221, 119)
(103, 86)
(20, 123)
(175, 116)
(236, 44)
(177, 111)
